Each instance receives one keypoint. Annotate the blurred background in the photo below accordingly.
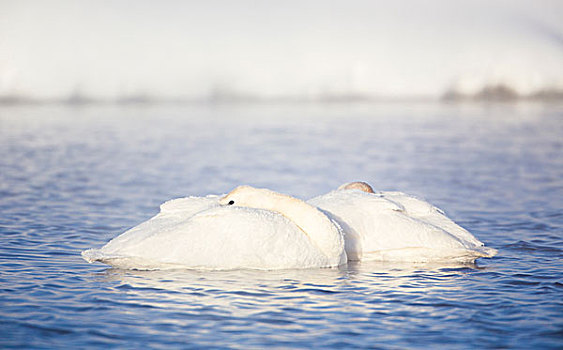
(311, 50)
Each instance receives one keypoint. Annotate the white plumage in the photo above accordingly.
(197, 232)
(393, 226)
(261, 229)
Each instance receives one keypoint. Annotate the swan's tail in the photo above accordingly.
(486, 252)
(470, 255)
(92, 255)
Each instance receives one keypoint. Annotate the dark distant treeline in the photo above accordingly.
(503, 93)
(493, 93)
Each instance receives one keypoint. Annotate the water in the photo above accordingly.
(72, 178)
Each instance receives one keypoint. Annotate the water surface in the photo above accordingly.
(73, 178)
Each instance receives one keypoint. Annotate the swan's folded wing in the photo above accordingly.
(189, 206)
(172, 213)
(218, 238)
(351, 201)
(429, 214)
(396, 226)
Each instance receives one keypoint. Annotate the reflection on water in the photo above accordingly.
(72, 178)
(383, 276)
(357, 296)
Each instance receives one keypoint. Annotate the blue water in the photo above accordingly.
(73, 178)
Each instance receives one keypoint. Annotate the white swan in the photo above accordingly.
(248, 228)
(393, 226)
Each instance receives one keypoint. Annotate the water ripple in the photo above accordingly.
(71, 179)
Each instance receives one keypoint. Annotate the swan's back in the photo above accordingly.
(199, 233)
(422, 210)
(172, 213)
(395, 226)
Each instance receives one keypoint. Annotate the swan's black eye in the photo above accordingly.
(231, 202)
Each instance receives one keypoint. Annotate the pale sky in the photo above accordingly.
(270, 48)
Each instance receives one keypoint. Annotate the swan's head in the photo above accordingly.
(247, 196)
(358, 185)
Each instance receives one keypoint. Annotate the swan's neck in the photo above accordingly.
(320, 229)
